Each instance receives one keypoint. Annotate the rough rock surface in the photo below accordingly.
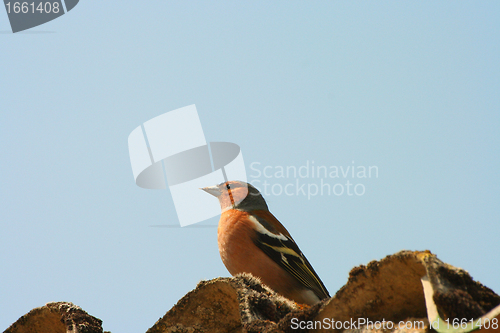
(384, 292)
(56, 317)
(456, 294)
(240, 304)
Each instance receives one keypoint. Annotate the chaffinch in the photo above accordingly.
(252, 240)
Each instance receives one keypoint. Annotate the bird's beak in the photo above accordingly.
(213, 190)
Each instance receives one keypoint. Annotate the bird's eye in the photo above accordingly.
(228, 187)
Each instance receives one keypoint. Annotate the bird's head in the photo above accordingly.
(237, 195)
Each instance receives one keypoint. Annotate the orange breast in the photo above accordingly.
(239, 254)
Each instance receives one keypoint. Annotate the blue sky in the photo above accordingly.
(409, 87)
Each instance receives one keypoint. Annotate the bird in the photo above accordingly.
(252, 240)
